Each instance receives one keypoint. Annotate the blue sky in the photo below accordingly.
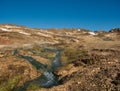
(89, 14)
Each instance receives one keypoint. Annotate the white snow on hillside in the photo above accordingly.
(24, 33)
(5, 29)
(92, 33)
(79, 29)
(45, 35)
(8, 26)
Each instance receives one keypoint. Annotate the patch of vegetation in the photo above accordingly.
(11, 84)
(72, 53)
(33, 87)
(40, 51)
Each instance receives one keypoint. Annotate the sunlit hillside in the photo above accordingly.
(72, 59)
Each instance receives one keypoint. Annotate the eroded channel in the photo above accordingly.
(48, 78)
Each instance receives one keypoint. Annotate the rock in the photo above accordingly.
(115, 30)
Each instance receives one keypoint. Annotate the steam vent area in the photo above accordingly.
(63, 59)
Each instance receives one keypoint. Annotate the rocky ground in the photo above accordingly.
(90, 60)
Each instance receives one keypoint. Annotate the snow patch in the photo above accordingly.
(79, 29)
(24, 33)
(43, 34)
(92, 33)
(5, 29)
(8, 26)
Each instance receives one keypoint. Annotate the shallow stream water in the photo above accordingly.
(48, 78)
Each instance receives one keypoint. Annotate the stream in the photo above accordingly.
(48, 78)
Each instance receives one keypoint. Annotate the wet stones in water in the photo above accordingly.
(56, 63)
(48, 79)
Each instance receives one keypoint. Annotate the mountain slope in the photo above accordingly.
(90, 60)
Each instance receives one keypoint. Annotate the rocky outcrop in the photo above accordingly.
(115, 30)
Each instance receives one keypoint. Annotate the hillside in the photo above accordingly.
(90, 61)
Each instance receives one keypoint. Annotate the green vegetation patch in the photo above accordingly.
(11, 84)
